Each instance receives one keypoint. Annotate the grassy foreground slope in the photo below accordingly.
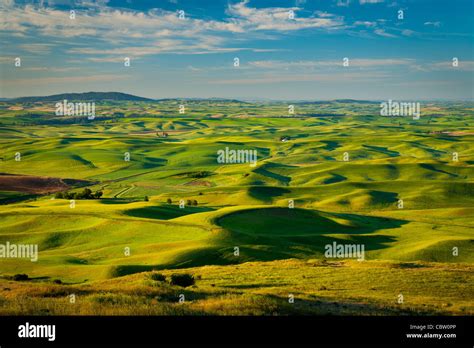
(261, 288)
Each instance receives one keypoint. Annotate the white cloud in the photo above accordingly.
(192, 68)
(343, 3)
(434, 24)
(39, 48)
(363, 2)
(463, 65)
(50, 69)
(117, 29)
(109, 23)
(366, 24)
(357, 62)
(382, 32)
(277, 18)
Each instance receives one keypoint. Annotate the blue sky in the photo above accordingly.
(280, 57)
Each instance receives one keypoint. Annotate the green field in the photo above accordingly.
(345, 168)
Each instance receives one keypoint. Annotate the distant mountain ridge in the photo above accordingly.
(211, 99)
(118, 96)
(355, 101)
(88, 96)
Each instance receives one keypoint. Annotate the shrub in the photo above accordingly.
(195, 202)
(57, 281)
(169, 201)
(20, 277)
(146, 199)
(200, 174)
(59, 195)
(189, 202)
(157, 277)
(113, 299)
(183, 280)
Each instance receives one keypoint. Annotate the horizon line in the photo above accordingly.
(242, 98)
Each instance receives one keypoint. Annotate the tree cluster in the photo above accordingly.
(189, 202)
(85, 194)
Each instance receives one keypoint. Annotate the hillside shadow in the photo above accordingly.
(123, 270)
(322, 305)
(266, 193)
(434, 169)
(383, 150)
(335, 178)
(331, 145)
(279, 233)
(165, 212)
(117, 200)
(284, 180)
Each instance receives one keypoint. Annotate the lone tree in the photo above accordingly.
(195, 202)
(146, 199)
(169, 201)
(86, 193)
